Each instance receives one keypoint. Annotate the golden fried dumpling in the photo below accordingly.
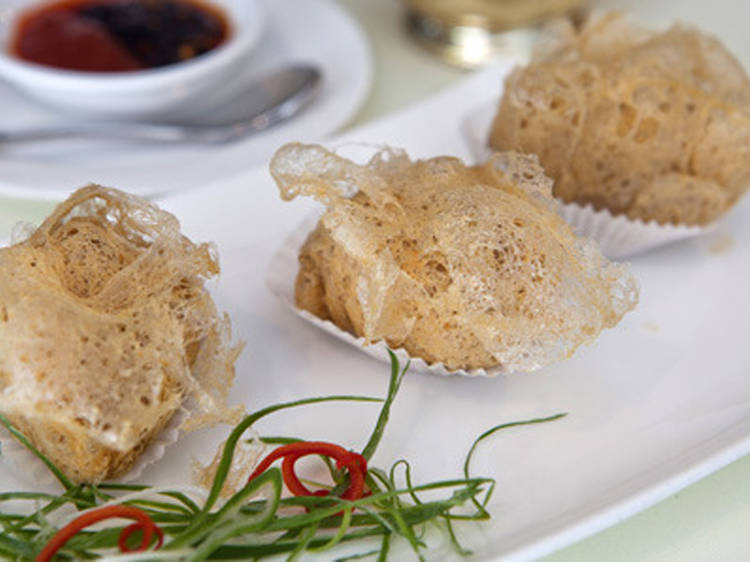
(654, 126)
(106, 330)
(465, 266)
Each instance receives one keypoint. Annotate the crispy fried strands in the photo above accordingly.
(655, 126)
(463, 265)
(106, 330)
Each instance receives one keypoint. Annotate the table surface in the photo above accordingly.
(706, 521)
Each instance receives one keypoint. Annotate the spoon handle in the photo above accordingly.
(268, 101)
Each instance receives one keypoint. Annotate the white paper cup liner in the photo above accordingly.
(31, 469)
(280, 278)
(618, 236)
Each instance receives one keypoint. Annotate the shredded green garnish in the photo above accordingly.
(258, 521)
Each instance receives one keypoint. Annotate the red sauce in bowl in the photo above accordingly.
(117, 35)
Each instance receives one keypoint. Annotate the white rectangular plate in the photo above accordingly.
(654, 404)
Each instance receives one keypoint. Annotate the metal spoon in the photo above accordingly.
(263, 103)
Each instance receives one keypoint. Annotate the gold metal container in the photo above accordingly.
(468, 33)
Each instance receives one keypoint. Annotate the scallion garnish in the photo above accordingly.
(258, 521)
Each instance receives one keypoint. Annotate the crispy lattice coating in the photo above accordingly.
(655, 126)
(106, 330)
(467, 266)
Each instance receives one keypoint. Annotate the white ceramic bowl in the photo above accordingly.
(138, 93)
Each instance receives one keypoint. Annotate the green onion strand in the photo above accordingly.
(259, 521)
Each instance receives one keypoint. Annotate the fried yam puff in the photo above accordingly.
(466, 266)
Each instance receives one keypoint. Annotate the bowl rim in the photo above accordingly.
(246, 21)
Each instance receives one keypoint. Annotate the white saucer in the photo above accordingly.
(316, 31)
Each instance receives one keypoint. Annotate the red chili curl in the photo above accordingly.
(355, 464)
(142, 522)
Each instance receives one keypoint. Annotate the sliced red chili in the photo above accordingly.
(355, 464)
(122, 541)
(142, 522)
